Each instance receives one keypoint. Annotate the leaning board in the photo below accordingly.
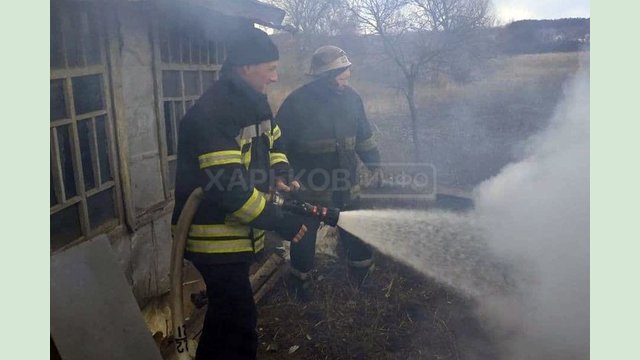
(94, 315)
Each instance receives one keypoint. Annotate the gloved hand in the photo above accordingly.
(291, 227)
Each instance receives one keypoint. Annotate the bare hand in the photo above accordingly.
(282, 186)
(294, 185)
(300, 234)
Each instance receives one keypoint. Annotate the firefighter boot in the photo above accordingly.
(300, 289)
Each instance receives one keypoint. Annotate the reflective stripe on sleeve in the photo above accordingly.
(251, 208)
(277, 157)
(220, 158)
(367, 144)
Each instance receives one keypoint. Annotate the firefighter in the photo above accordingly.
(228, 144)
(325, 129)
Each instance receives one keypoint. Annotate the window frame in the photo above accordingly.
(162, 31)
(66, 74)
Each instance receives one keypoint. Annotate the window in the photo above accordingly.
(84, 187)
(189, 64)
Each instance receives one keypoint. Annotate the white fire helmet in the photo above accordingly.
(328, 58)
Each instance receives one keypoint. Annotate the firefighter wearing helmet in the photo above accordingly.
(325, 130)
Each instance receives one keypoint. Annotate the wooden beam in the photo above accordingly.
(265, 271)
(273, 280)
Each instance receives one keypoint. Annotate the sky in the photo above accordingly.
(508, 10)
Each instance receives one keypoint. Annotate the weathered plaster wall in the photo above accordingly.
(144, 255)
(140, 107)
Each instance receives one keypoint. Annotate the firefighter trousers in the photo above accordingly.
(229, 330)
(359, 254)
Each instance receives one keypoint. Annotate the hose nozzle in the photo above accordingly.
(327, 215)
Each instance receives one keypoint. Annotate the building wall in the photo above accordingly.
(131, 68)
(146, 252)
(137, 76)
(140, 107)
(140, 233)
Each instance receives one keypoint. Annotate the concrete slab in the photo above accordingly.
(93, 312)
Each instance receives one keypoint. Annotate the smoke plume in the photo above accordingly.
(523, 253)
(536, 213)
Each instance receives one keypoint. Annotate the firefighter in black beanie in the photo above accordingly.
(227, 139)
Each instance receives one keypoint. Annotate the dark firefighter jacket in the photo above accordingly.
(324, 130)
(227, 144)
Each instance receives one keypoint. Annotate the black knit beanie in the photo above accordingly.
(250, 46)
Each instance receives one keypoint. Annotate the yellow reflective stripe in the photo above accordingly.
(219, 230)
(259, 245)
(251, 208)
(242, 142)
(367, 144)
(276, 133)
(246, 158)
(350, 143)
(275, 158)
(220, 158)
(219, 246)
(259, 242)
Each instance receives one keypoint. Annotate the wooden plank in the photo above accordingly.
(119, 120)
(273, 280)
(77, 160)
(265, 271)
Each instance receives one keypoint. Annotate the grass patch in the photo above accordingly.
(468, 131)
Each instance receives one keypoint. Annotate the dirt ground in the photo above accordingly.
(397, 314)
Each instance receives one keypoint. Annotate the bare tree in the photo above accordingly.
(315, 21)
(423, 38)
(313, 17)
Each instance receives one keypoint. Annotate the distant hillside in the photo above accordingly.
(518, 37)
(544, 36)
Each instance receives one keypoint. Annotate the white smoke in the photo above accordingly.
(536, 212)
(523, 254)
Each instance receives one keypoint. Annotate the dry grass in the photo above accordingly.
(510, 75)
(397, 315)
(470, 131)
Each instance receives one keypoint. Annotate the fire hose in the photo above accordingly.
(327, 215)
(177, 261)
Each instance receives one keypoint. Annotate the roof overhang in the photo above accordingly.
(252, 10)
